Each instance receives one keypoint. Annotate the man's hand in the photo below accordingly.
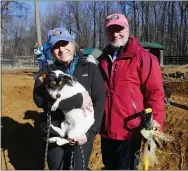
(87, 103)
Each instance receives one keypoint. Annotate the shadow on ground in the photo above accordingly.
(22, 141)
(179, 105)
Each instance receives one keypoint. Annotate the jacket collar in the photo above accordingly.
(129, 50)
(61, 66)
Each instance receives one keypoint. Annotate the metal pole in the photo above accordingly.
(39, 40)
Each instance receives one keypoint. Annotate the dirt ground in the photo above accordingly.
(21, 146)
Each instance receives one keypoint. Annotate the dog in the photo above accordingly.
(61, 86)
(168, 93)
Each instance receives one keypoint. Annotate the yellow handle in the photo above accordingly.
(148, 110)
(146, 163)
(146, 157)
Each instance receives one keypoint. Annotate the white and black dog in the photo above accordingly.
(61, 86)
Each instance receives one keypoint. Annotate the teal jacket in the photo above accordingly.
(47, 53)
(38, 51)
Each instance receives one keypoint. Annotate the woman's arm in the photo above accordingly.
(71, 102)
(98, 99)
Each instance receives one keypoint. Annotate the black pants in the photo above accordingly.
(59, 157)
(120, 155)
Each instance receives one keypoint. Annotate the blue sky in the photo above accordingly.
(42, 5)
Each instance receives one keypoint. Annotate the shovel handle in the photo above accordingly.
(148, 110)
(146, 163)
(148, 120)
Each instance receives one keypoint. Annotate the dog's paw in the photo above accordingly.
(61, 142)
(55, 106)
(58, 140)
(53, 139)
(52, 126)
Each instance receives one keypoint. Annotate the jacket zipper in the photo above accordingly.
(133, 102)
(115, 67)
(110, 57)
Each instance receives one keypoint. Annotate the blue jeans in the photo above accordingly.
(42, 63)
(49, 61)
(120, 155)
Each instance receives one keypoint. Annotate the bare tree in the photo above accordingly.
(101, 23)
(134, 18)
(94, 8)
(183, 7)
(50, 20)
(10, 12)
(123, 5)
(163, 22)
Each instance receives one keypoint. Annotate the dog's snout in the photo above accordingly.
(58, 95)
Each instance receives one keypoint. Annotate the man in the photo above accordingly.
(81, 51)
(133, 82)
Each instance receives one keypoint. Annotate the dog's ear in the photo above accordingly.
(70, 80)
(42, 77)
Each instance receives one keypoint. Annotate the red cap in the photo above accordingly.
(116, 19)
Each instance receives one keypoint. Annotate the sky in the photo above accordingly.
(42, 5)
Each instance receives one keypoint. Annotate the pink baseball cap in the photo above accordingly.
(116, 19)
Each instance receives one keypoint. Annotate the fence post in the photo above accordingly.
(161, 57)
(34, 61)
(12, 61)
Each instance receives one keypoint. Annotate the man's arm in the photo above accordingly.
(153, 90)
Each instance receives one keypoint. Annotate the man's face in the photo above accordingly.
(117, 35)
(64, 51)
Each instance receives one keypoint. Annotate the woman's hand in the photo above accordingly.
(80, 140)
(87, 104)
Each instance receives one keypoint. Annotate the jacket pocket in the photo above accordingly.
(133, 101)
(133, 121)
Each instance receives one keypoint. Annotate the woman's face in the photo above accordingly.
(64, 51)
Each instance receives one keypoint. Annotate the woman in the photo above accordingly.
(38, 50)
(65, 51)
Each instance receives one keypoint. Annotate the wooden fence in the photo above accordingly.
(9, 60)
(175, 60)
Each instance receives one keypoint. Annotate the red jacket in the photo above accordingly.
(123, 79)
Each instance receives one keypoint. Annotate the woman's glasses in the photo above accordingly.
(60, 43)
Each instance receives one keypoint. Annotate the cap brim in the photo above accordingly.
(55, 40)
(116, 23)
